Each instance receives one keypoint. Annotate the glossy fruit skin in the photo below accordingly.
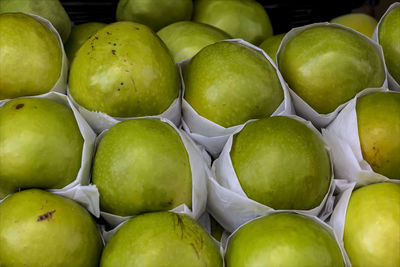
(155, 14)
(40, 145)
(124, 70)
(52, 10)
(281, 163)
(327, 66)
(161, 239)
(79, 34)
(185, 39)
(372, 227)
(389, 39)
(229, 83)
(271, 45)
(30, 56)
(378, 117)
(38, 228)
(142, 165)
(362, 23)
(245, 19)
(283, 239)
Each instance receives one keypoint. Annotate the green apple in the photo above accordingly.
(185, 39)
(281, 163)
(124, 70)
(142, 165)
(326, 66)
(161, 239)
(271, 45)
(30, 56)
(389, 39)
(229, 83)
(283, 239)
(40, 145)
(372, 227)
(245, 19)
(38, 228)
(79, 34)
(362, 23)
(378, 119)
(154, 13)
(52, 10)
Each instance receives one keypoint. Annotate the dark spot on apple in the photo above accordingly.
(119, 89)
(46, 216)
(97, 38)
(113, 52)
(109, 42)
(137, 28)
(122, 83)
(115, 44)
(195, 250)
(19, 106)
(108, 33)
(124, 60)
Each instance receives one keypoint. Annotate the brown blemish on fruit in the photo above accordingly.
(137, 28)
(114, 44)
(19, 106)
(46, 216)
(195, 250)
(122, 83)
(113, 52)
(108, 33)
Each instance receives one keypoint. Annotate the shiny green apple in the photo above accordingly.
(79, 34)
(40, 145)
(271, 45)
(283, 239)
(378, 120)
(30, 56)
(372, 227)
(327, 66)
(142, 165)
(229, 83)
(281, 163)
(185, 39)
(245, 19)
(38, 228)
(124, 70)
(154, 13)
(161, 239)
(362, 23)
(389, 39)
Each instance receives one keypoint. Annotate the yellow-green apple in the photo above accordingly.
(281, 163)
(229, 83)
(30, 56)
(362, 23)
(271, 45)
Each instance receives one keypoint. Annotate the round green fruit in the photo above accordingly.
(389, 39)
(38, 228)
(154, 13)
(271, 45)
(283, 239)
(372, 227)
(161, 239)
(185, 39)
(378, 119)
(281, 163)
(124, 70)
(79, 35)
(229, 83)
(30, 56)
(142, 165)
(327, 66)
(245, 19)
(52, 10)
(40, 145)
(362, 23)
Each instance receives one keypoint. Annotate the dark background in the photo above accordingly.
(284, 14)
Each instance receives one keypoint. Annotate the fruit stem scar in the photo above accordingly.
(46, 216)
(19, 106)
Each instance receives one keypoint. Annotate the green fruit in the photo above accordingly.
(362, 23)
(30, 56)
(271, 45)
(389, 39)
(52, 10)
(185, 39)
(142, 165)
(38, 228)
(327, 66)
(154, 13)
(40, 145)
(161, 239)
(229, 83)
(372, 227)
(79, 35)
(244, 19)
(378, 117)
(283, 239)
(124, 70)
(281, 163)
